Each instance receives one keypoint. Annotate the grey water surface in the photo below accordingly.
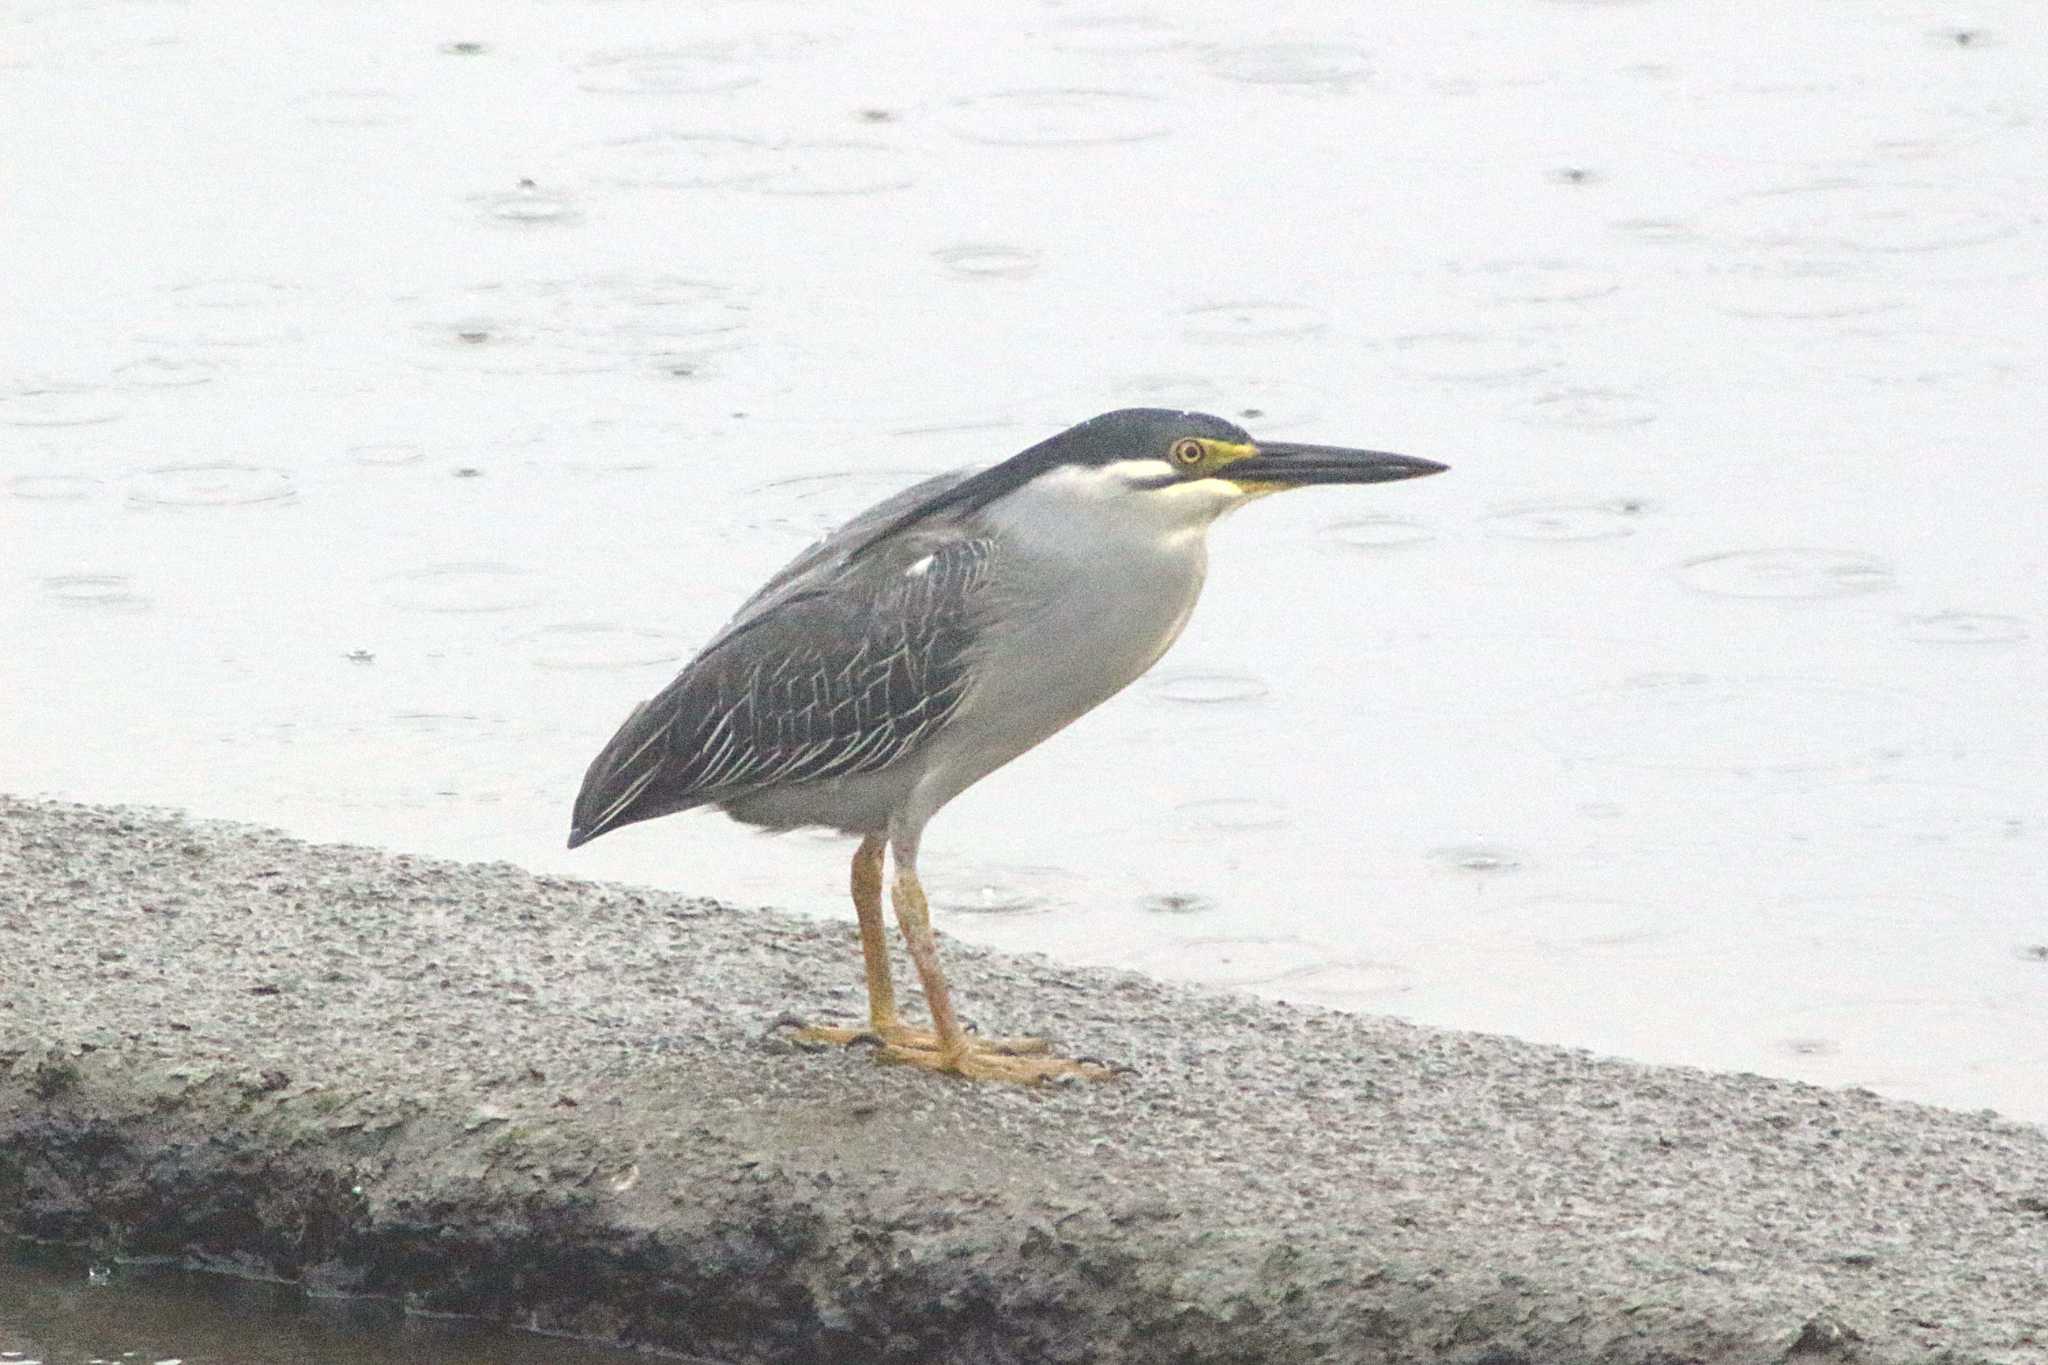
(391, 398)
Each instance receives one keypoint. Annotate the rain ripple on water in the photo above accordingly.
(1379, 533)
(385, 454)
(167, 372)
(1207, 689)
(1176, 903)
(1591, 409)
(462, 588)
(1791, 572)
(1573, 925)
(682, 160)
(1699, 722)
(666, 71)
(52, 487)
(1115, 35)
(1477, 860)
(1234, 814)
(1057, 118)
(211, 485)
(363, 108)
(1567, 521)
(1540, 281)
(1263, 403)
(1331, 66)
(1471, 357)
(999, 891)
(1967, 628)
(97, 591)
(588, 646)
(58, 405)
(1843, 216)
(987, 260)
(1238, 960)
(1252, 320)
(528, 205)
(1888, 813)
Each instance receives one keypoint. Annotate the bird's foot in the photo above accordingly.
(903, 1037)
(976, 1064)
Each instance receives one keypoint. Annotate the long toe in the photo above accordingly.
(902, 1036)
(977, 1065)
(1001, 1047)
(828, 1035)
(1008, 1047)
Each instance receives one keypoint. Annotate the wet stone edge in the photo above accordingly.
(219, 1175)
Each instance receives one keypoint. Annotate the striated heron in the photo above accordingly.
(932, 639)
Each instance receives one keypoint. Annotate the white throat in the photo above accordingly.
(1120, 503)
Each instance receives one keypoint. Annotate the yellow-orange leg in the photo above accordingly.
(956, 1052)
(874, 937)
(884, 1026)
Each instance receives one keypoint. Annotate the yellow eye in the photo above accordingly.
(1187, 452)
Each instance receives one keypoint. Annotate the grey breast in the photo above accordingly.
(843, 664)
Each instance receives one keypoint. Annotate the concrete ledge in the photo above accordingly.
(552, 1102)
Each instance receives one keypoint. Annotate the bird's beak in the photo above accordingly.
(1285, 464)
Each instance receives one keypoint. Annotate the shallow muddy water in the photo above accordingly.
(53, 1313)
(389, 401)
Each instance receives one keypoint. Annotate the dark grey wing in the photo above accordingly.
(845, 671)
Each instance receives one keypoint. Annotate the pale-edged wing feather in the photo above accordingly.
(841, 664)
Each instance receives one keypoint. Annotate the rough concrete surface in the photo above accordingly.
(563, 1104)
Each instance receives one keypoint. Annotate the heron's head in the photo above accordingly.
(1192, 466)
(1171, 472)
